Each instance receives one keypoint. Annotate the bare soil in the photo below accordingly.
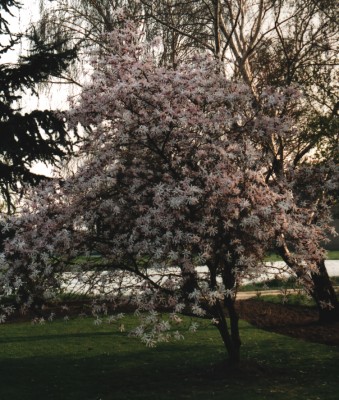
(296, 321)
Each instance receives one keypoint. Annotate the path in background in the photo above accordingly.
(332, 267)
(278, 268)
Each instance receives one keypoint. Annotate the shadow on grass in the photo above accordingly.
(64, 364)
(164, 374)
(21, 339)
(112, 377)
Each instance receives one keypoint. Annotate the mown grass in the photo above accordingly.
(281, 285)
(299, 299)
(270, 284)
(278, 284)
(331, 255)
(79, 361)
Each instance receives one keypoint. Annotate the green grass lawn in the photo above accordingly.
(331, 255)
(290, 299)
(278, 284)
(79, 361)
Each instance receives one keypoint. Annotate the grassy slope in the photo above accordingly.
(79, 361)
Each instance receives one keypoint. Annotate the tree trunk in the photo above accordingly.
(324, 295)
(322, 289)
(231, 339)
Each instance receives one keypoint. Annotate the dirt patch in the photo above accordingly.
(295, 321)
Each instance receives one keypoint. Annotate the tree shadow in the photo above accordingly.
(25, 339)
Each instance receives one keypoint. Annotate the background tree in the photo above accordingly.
(82, 24)
(29, 136)
(174, 182)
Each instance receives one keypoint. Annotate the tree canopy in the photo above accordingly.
(172, 180)
(27, 136)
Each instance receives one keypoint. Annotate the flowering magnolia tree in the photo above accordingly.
(311, 172)
(171, 194)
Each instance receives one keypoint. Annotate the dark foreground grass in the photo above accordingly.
(79, 361)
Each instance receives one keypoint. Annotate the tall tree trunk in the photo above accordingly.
(231, 339)
(324, 295)
(321, 291)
